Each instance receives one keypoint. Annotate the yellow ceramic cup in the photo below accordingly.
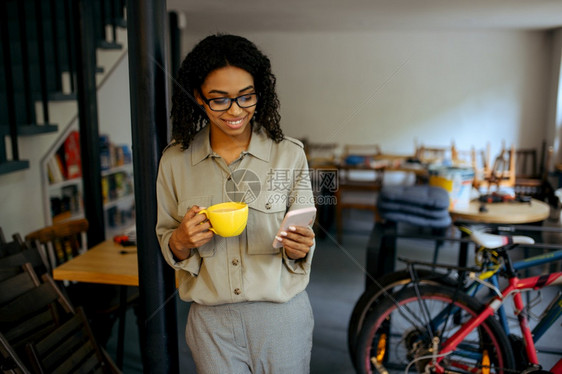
(227, 219)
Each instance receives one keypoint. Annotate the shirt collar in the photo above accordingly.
(201, 146)
(260, 145)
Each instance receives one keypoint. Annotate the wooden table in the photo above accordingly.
(503, 213)
(106, 263)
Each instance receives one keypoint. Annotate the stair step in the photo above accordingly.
(11, 166)
(26, 130)
(109, 45)
(61, 96)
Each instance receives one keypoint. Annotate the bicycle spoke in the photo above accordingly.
(398, 336)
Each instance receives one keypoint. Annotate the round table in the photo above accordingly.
(509, 213)
(503, 213)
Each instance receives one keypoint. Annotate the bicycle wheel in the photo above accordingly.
(399, 334)
(387, 284)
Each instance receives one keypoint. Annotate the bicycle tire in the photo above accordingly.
(404, 343)
(387, 283)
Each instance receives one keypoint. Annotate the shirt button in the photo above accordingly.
(235, 262)
(268, 206)
(237, 291)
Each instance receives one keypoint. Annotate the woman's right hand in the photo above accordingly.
(192, 232)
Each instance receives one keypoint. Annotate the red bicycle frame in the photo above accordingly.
(515, 286)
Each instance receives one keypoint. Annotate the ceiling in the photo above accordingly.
(366, 15)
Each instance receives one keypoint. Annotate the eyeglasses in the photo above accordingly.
(221, 104)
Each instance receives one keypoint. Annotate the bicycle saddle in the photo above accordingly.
(493, 241)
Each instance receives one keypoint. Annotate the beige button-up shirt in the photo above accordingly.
(272, 178)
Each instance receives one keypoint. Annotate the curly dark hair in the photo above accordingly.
(215, 52)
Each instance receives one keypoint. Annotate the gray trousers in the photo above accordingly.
(252, 337)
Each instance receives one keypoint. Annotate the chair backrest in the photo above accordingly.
(526, 164)
(62, 241)
(71, 348)
(502, 172)
(10, 361)
(16, 281)
(10, 248)
(33, 310)
(24, 253)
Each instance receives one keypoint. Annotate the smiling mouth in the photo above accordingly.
(235, 124)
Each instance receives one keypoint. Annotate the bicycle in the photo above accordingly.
(426, 275)
(441, 329)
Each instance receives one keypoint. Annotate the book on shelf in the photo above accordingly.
(71, 148)
(54, 170)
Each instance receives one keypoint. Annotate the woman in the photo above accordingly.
(250, 311)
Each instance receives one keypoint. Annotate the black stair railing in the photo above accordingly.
(38, 50)
(41, 59)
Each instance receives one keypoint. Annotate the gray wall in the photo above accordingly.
(399, 88)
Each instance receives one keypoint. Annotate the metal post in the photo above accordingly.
(88, 119)
(175, 42)
(42, 61)
(146, 34)
(68, 25)
(4, 31)
(29, 109)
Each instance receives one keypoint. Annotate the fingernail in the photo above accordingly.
(278, 238)
(283, 233)
(292, 228)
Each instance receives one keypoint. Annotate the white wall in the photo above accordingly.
(23, 205)
(114, 106)
(395, 88)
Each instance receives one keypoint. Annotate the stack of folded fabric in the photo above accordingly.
(420, 205)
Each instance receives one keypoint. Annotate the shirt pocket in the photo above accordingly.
(264, 219)
(207, 249)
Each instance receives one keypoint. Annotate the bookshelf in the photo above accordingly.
(63, 189)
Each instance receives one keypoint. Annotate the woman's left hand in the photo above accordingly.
(297, 241)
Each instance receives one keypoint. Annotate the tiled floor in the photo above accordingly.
(337, 281)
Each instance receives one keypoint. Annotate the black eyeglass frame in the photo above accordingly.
(235, 99)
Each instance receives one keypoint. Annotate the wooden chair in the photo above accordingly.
(26, 252)
(531, 172)
(502, 172)
(10, 362)
(30, 309)
(358, 183)
(478, 160)
(101, 302)
(71, 348)
(62, 241)
(33, 313)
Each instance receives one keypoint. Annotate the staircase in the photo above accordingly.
(38, 66)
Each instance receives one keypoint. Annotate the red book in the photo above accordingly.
(72, 155)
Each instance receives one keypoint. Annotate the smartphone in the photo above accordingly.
(297, 217)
